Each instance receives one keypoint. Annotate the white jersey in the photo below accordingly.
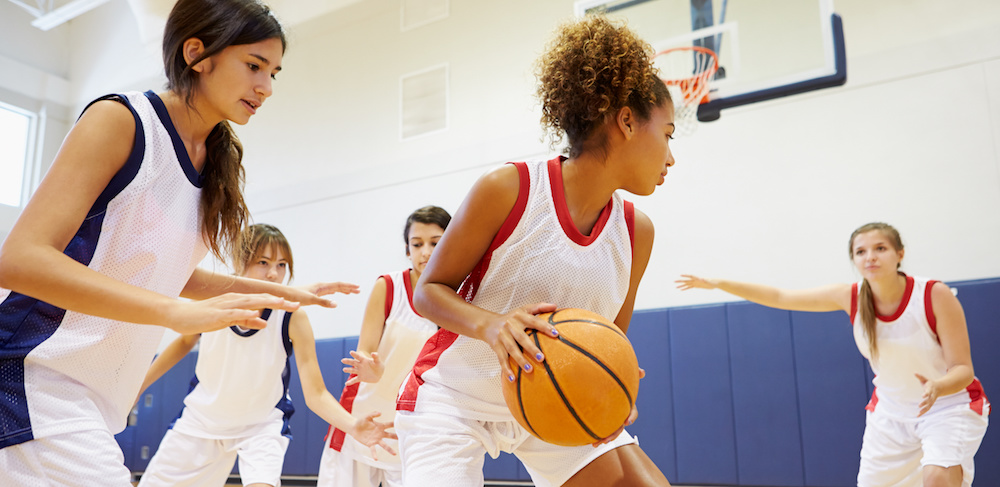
(63, 371)
(240, 385)
(403, 337)
(907, 345)
(538, 255)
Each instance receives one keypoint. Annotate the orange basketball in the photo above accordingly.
(584, 389)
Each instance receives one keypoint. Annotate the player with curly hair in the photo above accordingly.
(528, 238)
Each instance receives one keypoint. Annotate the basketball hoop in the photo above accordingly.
(687, 72)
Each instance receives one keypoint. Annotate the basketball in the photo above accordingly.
(584, 389)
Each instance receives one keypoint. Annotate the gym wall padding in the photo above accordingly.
(734, 394)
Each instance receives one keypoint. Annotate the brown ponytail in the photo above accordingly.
(218, 24)
(866, 300)
(224, 212)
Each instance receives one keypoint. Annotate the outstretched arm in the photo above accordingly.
(167, 359)
(364, 364)
(32, 261)
(954, 337)
(827, 298)
(468, 238)
(319, 400)
(205, 284)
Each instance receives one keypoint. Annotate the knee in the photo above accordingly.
(935, 476)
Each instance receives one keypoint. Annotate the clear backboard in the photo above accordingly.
(765, 48)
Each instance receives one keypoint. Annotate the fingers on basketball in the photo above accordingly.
(585, 388)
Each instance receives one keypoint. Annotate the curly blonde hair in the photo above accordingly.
(593, 68)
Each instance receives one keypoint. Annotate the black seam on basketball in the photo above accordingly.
(565, 400)
(584, 320)
(599, 362)
(520, 399)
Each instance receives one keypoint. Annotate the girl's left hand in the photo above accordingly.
(930, 394)
(312, 293)
(628, 422)
(372, 433)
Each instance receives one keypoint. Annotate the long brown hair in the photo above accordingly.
(866, 301)
(590, 70)
(218, 24)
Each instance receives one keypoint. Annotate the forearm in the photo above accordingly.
(440, 304)
(757, 293)
(53, 277)
(955, 380)
(327, 407)
(166, 360)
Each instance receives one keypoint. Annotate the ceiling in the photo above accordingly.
(150, 14)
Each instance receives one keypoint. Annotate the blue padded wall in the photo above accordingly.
(734, 394)
(700, 369)
(833, 388)
(650, 337)
(765, 397)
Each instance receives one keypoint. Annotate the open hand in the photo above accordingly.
(930, 394)
(687, 281)
(363, 368)
(372, 433)
(223, 311)
(313, 293)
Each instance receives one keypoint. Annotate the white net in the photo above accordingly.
(687, 72)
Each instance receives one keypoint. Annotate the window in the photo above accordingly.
(15, 127)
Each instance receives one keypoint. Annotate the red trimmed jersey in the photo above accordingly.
(403, 335)
(908, 344)
(538, 255)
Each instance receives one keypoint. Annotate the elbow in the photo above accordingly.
(10, 267)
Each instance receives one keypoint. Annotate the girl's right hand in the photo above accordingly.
(223, 311)
(505, 335)
(373, 433)
(363, 368)
(687, 281)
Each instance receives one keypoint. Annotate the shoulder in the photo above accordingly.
(501, 180)
(643, 226)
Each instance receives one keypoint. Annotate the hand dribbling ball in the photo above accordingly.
(584, 389)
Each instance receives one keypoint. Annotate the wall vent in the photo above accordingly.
(415, 13)
(423, 102)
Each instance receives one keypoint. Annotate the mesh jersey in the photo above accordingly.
(241, 382)
(403, 336)
(62, 371)
(908, 344)
(538, 255)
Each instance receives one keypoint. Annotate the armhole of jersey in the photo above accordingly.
(514, 216)
(470, 286)
(389, 292)
(929, 308)
(286, 338)
(854, 302)
(127, 173)
(630, 222)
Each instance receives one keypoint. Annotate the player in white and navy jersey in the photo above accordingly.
(391, 338)
(238, 406)
(528, 238)
(928, 413)
(143, 184)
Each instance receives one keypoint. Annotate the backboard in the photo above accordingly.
(766, 48)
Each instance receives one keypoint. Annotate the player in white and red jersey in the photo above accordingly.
(238, 406)
(391, 338)
(528, 238)
(143, 185)
(928, 414)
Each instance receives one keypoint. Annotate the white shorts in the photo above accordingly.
(339, 470)
(894, 451)
(185, 460)
(90, 457)
(437, 449)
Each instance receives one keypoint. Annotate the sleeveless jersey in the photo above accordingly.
(241, 381)
(63, 371)
(403, 336)
(908, 344)
(538, 255)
